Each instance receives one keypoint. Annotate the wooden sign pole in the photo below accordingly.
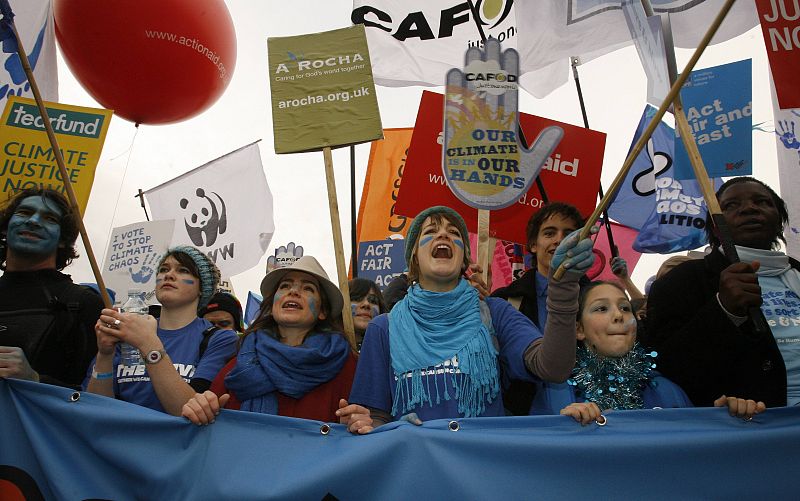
(338, 247)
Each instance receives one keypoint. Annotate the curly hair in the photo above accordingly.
(69, 227)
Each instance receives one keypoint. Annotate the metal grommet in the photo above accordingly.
(601, 421)
(657, 407)
(453, 426)
(75, 396)
(325, 429)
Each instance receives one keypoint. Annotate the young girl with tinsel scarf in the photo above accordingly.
(612, 371)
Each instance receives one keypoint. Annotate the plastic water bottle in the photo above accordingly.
(129, 355)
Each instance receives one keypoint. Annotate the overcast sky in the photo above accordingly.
(614, 89)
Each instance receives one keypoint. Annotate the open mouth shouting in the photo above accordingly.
(442, 251)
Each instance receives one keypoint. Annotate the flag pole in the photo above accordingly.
(575, 61)
(651, 127)
(338, 247)
(8, 18)
(353, 238)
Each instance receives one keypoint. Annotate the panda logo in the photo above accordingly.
(208, 219)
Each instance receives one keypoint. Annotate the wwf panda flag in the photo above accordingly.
(224, 208)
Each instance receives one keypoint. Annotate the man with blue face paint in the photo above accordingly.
(47, 321)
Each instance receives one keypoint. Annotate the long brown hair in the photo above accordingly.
(266, 321)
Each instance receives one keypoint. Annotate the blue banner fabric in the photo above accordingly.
(251, 307)
(669, 214)
(83, 446)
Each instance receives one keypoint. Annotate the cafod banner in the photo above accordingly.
(322, 90)
(484, 163)
(27, 159)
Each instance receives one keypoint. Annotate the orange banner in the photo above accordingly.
(377, 219)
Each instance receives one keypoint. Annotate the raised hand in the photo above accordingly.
(283, 253)
(484, 163)
(577, 256)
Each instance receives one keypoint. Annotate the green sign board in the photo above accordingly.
(322, 90)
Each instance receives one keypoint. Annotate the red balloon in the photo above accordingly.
(151, 61)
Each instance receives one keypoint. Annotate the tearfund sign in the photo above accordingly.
(484, 163)
(322, 90)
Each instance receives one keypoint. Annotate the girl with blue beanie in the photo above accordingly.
(181, 353)
(440, 351)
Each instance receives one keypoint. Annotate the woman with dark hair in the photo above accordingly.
(439, 353)
(612, 371)
(294, 359)
(366, 303)
(186, 278)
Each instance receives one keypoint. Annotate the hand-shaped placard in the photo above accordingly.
(484, 163)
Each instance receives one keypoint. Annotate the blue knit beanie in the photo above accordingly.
(207, 270)
(413, 230)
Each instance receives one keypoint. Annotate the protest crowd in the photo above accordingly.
(527, 317)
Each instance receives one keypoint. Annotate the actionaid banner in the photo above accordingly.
(780, 24)
(552, 32)
(224, 208)
(52, 436)
(571, 174)
(133, 254)
(323, 94)
(718, 103)
(27, 159)
(415, 42)
(34, 22)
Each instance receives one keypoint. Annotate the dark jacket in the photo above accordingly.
(699, 347)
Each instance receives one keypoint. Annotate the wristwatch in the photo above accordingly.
(154, 356)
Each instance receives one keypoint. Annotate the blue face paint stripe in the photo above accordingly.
(188, 281)
(458, 242)
(425, 240)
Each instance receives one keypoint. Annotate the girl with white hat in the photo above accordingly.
(294, 359)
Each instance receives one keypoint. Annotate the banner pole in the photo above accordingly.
(353, 238)
(607, 222)
(140, 196)
(483, 243)
(338, 248)
(26, 65)
(651, 127)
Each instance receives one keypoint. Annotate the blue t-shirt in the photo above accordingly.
(374, 384)
(661, 392)
(781, 308)
(132, 384)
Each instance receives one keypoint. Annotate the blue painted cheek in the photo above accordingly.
(312, 305)
(375, 311)
(159, 280)
(353, 308)
(459, 242)
(425, 240)
(277, 298)
(187, 281)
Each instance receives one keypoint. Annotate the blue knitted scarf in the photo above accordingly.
(429, 331)
(264, 366)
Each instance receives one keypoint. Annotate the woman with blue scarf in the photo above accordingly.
(441, 350)
(294, 359)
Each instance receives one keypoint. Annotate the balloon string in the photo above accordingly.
(129, 151)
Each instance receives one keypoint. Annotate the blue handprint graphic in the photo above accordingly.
(146, 271)
(786, 134)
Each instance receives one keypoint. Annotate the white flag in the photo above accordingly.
(552, 31)
(224, 208)
(34, 22)
(416, 42)
(787, 127)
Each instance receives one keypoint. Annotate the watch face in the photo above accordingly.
(153, 357)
